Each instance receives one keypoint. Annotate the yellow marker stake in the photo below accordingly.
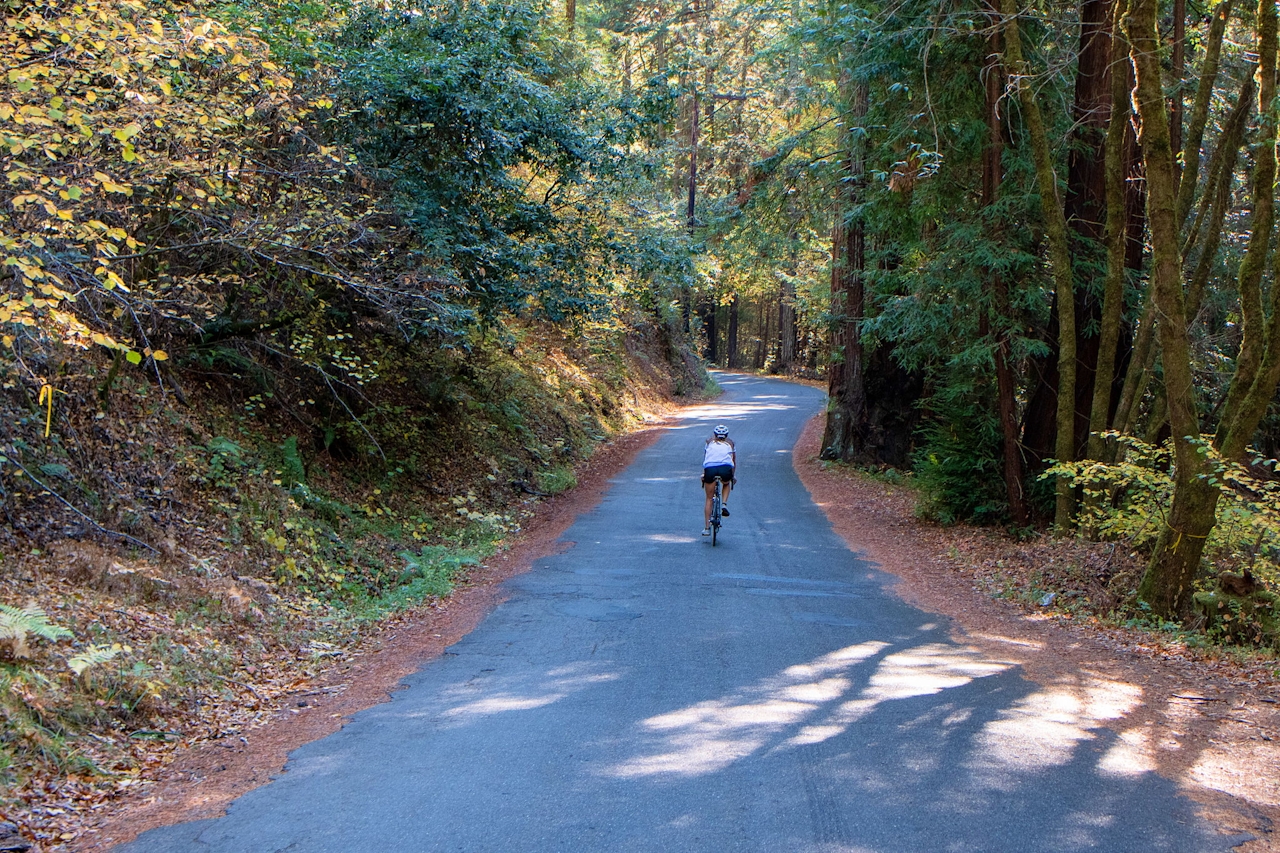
(46, 393)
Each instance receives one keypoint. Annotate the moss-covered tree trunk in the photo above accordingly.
(1117, 237)
(1056, 234)
(1258, 362)
(1167, 583)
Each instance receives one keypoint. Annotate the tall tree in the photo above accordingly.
(1057, 237)
(1002, 351)
(1167, 583)
(846, 410)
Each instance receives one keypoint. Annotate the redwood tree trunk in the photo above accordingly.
(846, 407)
(1086, 214)
(1117, 234)
(786, 330)
(731, 343)
(709, 327)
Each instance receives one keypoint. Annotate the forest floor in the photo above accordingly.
(1207, 719)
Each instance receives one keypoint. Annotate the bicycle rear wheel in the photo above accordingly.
(715, 514)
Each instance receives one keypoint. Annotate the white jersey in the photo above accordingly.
(717, 453)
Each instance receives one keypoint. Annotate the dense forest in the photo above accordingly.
(973, 213)
(301, 300)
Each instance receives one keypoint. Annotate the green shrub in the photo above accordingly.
(17, 624)
(1129, 500)
(432, 572)
(958, 464)
(557, 480)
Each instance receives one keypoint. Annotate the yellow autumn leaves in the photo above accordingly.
(114, 125)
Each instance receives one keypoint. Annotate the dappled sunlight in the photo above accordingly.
(813, 702)
(711, 735)
(928, 669)
(557, 684)
(1043, 728)
(1234, 771)
(1130, 755)
(1012, 641)
(670, 537)
(502, 703)
(920, 671)
(731, 411)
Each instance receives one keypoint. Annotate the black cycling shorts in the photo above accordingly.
(724, 472)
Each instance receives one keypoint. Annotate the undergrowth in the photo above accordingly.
(1127, 502)
(1096, 577)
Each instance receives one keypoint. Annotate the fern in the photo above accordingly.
(93, 656)
(434, 569)
(17, 624)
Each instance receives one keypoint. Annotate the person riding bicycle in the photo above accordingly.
(719, 461)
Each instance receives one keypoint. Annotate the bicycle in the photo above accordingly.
(715, 510)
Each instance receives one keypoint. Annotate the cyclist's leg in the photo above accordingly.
(728, 487)
(710, 489)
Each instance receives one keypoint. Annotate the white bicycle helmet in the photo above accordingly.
(721, 431)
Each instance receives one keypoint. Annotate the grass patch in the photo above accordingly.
(557, 480)
(431, 573)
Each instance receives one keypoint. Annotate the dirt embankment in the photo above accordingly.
(1207, 721)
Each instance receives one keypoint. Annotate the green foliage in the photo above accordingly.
(1129, 500)
(492, 143)
(93, 656)
(17, 624)
(556, 480)
(1249, 619)
(300, 32)
(434, 569)
(225, 459)
(292, 472)
(432, 572)
(958, 464)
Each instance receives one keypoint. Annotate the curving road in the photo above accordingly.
(643, 691)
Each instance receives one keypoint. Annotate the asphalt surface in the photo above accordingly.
(644, 691)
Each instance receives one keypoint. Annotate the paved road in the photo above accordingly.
(644, 691)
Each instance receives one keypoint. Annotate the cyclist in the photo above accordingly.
(719, 460)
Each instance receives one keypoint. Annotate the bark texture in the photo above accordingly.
(1056, 235)
(1167, 584)
(1006, 386)
(846, 391)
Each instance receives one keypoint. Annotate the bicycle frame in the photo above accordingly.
(715, 510)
